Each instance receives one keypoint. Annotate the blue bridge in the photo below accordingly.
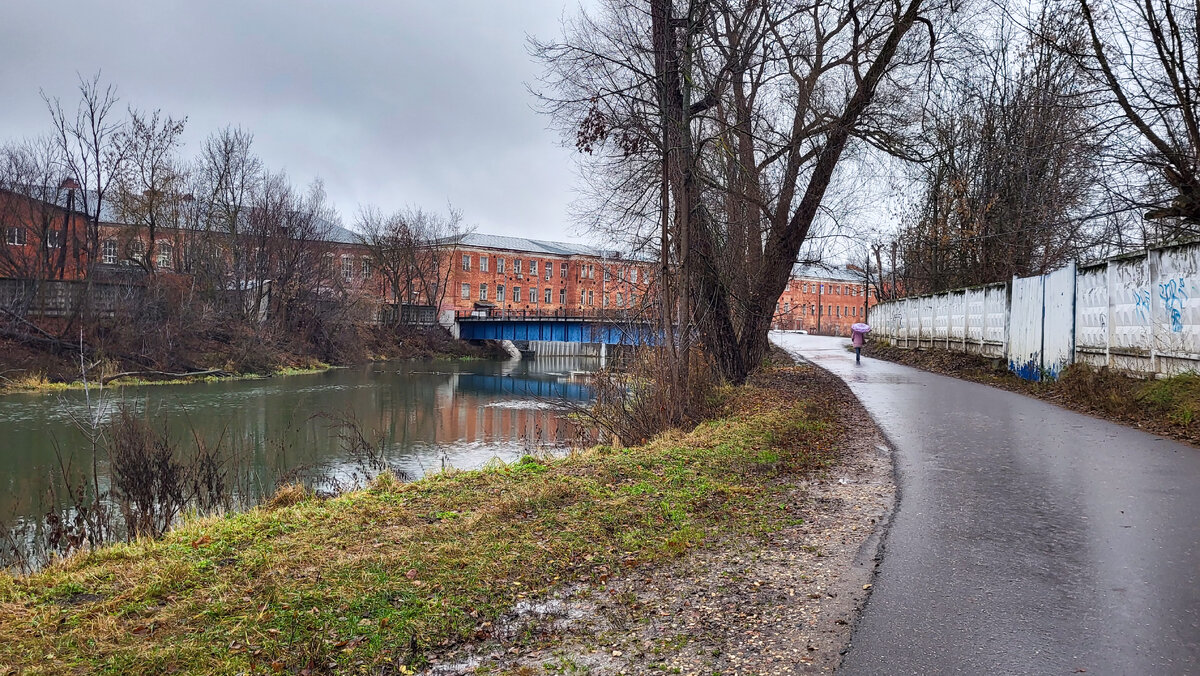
(607, 328)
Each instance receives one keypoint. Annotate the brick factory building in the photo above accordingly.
(823, 300)
(516, 274)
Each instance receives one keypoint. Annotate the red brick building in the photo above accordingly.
(516, 274)
(824, 300)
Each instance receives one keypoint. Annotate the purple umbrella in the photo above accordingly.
(859, 327)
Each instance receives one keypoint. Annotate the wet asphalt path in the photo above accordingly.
(1027, 539)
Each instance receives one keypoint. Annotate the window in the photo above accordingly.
(482, 288)
(516, 294)
(533, 295)
(466, 290)
(549, 271)
(466, 262)
(562, 270)
(591, 297)
(16, 237)
(591, 272)
(483, 263)
(549, 296)
(604, 300)
(562, 296)
(53, 239)
(533, 268)
(108, 251)
(621, 275)
(165, 254)
(500, 293)
(787, 308)
(137, 250)
(500, 265)
(347, 268)
(633, 275)
(517, 266)
(365, 268)
(607, 275)
(620, 299)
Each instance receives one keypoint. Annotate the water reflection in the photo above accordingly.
(426, 414)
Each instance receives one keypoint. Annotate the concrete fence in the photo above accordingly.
(1138, 313)
(61, 298)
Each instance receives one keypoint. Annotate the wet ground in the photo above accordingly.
(1027, 539)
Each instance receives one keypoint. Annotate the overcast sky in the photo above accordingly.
(391, 102)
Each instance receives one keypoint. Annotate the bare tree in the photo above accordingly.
(1012, 175)
(413, 250)
(1146, 54)
(731, 116)
(93, 147)
(149, 187)
(35, 212)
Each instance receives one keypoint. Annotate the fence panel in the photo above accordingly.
(1058, 320)
(1025, 327)
(1130, 312)
(1176, 299)
(1091, 315)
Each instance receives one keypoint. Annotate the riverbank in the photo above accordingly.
(615, 558)
(1167, 406)
(32, 369)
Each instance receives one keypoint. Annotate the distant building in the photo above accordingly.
(517, 274)
(823, 300)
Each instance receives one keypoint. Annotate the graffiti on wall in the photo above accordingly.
(1141, 304)
(1173, 294)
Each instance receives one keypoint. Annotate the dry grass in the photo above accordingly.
(376, 578)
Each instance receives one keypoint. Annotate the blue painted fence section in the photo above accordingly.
(1137, 313)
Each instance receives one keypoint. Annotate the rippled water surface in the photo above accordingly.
(426, 414)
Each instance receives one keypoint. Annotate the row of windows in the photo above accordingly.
(836, 289)
(827, 310)
(585, 297)
(587, 271)
(16, 237)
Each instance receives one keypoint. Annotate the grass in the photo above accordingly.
(1177, 397)
(382, 576)
(40, 384)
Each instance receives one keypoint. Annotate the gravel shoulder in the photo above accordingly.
(783, 602)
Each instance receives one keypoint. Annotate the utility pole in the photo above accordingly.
(820, 288)
(867, 288)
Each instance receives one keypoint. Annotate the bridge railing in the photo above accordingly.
(557, 313)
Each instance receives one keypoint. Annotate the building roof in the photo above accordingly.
(820, 271)
(537, 246)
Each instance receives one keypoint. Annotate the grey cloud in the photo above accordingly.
(391, 103)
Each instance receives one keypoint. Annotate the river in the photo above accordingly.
(425, 414)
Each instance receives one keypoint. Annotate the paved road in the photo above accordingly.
(1027, 539)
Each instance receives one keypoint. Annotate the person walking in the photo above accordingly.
(858, 336)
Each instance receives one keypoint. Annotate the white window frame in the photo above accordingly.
(166, 255)
(466, 290)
